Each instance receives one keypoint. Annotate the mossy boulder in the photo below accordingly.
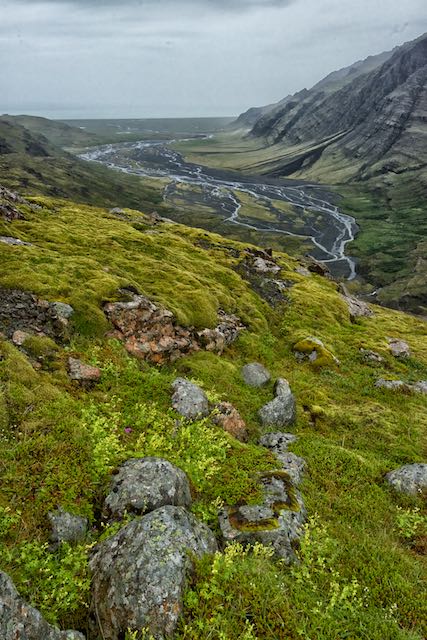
(313, 350)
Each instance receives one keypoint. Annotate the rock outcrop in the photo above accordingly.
(139, 574)
(189, 399)
(8, 205)
(400, 385)
(398, 348)
(279, 519)
(150, 332)
(260, 270)
(142, 485)
(23, 311)
(281, 411)
(410, 479)
(357, 308)
(20, 621)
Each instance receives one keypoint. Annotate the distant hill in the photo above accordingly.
(37, 164)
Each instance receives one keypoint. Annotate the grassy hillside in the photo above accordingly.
(362, 564)
(31, 163)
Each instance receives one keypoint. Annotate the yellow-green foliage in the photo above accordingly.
(360, 578)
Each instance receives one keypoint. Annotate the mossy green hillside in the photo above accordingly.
(359, 577)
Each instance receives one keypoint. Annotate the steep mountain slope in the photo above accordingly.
(331, 83)
(361, 561)
(374, 124)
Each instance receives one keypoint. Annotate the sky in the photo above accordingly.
(177, 58)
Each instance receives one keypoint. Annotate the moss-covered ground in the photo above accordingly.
(362, 571)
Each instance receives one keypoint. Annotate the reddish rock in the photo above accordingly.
(83, 373)
(231, 421)
(150, 332)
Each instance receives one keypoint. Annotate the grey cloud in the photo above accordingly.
(224, 5)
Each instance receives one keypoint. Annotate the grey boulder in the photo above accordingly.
(292, 464)
(62, 310)
(255, 375)
(281, 411)
(66, 527)
(144, 484)
(410, 479)
(189, 399)
(139, 574)
(398, 348)
(20, 621)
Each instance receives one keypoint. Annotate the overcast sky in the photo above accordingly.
(143, 58)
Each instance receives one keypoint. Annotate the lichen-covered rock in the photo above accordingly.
(357, 308)
(398, 348)
(278, 444)
(420, 387)
(189, 399)
(67, 527)
(277, 522)
(150, 332)
(261, 265)
(255, 374)
(145, 484)
(20, 621)
(139, 574)
(410, 479)
(19, 337)
(230, 420)
(83, 373)
(281, 411)
(303, 271)
(313, 350)
(62, 310)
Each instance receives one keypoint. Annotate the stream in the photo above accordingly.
(317, 218)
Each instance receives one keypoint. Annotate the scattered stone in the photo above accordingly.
(371, 356)
(8, 201)
(255, 269)
(20, 621)
(399, 385)
(393, 385)
(145, 484)
(231, 421)
(23, 311)
(357, 308)
(313, 350)
(15, 241)
(398, 348)
(420, 387)
(83, 373)
(66, 527)
(292, 464)
(281, 411)
(116, 211)
(255, 374)
(265, 266)
(303, 271)
(19, 337)
(189, 399)
(223, 335)
(62, 310)
(150, 332)
(139, 574)
(410, 479)
(317, 267)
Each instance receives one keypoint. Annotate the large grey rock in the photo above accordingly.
(66, 527)
(392, 385)
(398, 348)
(20, 621)
(189, 399)
(420, 387)
(281, 411)
(255, 374)
(357, 308)
(144, 484)
(14, 241)
(139, 574)
(410, 479)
